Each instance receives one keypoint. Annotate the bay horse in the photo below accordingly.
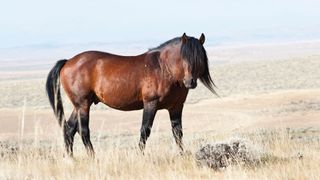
(157, 79)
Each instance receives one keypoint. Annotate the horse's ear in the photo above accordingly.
(184, 38)
(202, 39)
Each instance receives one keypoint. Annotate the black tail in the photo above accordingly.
(53, 91)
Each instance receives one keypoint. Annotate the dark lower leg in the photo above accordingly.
(176, 124)
(84, 132)
(177, 133)
(149, 112)
(85, 136)
(69, 130)
(145, 133)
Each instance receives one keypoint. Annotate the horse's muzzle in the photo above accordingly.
(190, 83)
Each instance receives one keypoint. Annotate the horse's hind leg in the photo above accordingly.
(83, 113)
(69, 130)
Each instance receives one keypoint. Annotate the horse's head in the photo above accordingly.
(194, 60)
(186, 60)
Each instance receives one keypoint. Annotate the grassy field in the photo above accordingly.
(286, 154)
(274, 104)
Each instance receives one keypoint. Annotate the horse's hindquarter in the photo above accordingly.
(75, 77)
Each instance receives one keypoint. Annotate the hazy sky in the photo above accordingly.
(39, 22)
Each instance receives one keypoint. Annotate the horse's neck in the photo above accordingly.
(154, 60)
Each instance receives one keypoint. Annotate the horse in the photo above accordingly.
(157, 79)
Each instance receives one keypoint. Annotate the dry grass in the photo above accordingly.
(119, 158)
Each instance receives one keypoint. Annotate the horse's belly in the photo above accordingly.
(126, 107)
(120, 98)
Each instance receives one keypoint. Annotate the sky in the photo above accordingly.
(63, 22)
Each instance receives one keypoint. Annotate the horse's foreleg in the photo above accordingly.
(176, 124)
(83, 129)
(69, 130)
(149, 112)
